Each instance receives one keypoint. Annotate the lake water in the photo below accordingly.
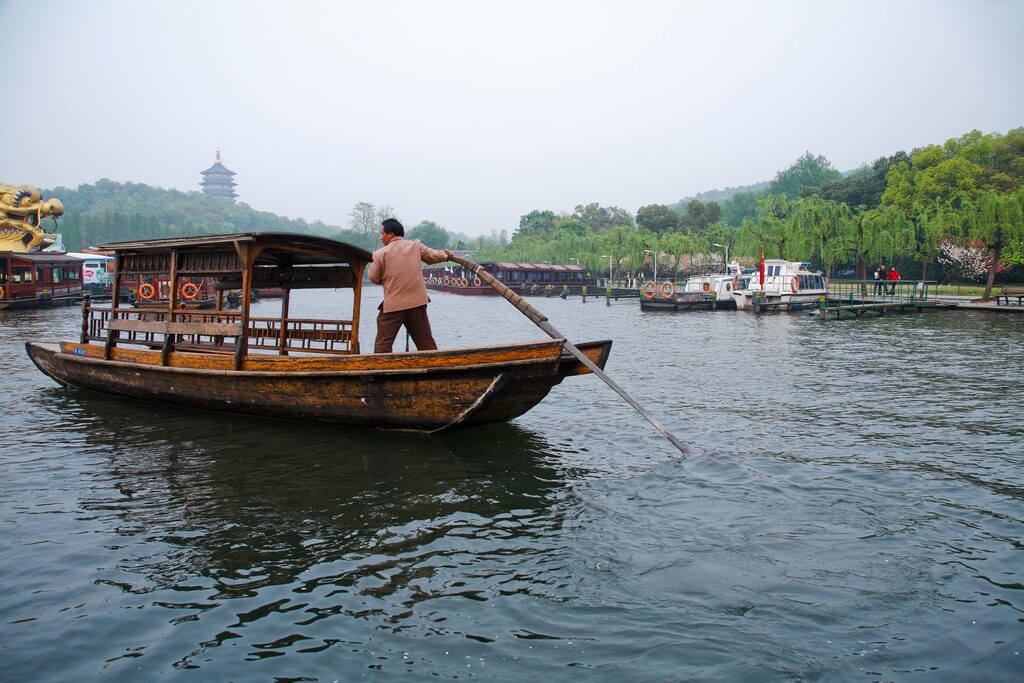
(852, 508)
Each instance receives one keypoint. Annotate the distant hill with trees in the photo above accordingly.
(109, 211)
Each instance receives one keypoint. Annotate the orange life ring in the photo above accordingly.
(1, 292)
(668, 288)
(147, 291)
(465, 282)
(794, 284)
(189, 291)
(649, 289)
(706, 287)
(476, 282)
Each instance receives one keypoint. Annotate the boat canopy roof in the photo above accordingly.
(40, 257)
(270, 248)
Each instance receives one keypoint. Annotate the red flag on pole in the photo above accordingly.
(761, 269)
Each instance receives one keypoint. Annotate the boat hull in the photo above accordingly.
(423, 391)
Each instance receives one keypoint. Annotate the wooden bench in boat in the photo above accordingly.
(1009, 291)
(167, 327)
(143, 331)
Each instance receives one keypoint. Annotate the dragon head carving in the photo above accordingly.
(22, 211)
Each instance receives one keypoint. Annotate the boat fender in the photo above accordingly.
(146, 291)
(650, 288)
(794, 284)
(189, 291)
(668, 289)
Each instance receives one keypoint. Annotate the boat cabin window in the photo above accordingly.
(21, 274)
(773, 271)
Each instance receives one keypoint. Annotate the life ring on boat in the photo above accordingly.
(1, 292)
(465, 282)
(147, 291)
(189, 291)
(707, 287)
(650, 288)
(476, 282)
(668, 288)
(794, 284)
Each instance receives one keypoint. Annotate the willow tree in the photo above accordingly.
(858, 236)
(998, 221)
(935, 221)
(674, 247)
(819, 223)
(774, 227)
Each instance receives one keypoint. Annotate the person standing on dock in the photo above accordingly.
(880, 277)
(894, 275)
(396, 266)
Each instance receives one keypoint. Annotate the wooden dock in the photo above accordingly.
(854, 298)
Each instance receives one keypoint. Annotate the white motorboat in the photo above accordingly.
(787, 284)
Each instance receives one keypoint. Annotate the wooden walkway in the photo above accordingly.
(856, 297)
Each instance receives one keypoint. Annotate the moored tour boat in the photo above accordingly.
(709, 292)
(538, 279)
(285, 367)
(789, 285)
(39, 278)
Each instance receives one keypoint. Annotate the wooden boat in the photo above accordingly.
(285, 367)
(39, 278)
(534, 279)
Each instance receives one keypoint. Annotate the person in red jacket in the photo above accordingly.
(396, 266)
(894, 275)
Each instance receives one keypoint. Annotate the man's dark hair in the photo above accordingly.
(393, 226)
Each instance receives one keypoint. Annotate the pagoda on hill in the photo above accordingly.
(218, 181)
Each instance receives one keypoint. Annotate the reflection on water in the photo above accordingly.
(853, 510)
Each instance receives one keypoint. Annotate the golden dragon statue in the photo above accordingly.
(22, 211)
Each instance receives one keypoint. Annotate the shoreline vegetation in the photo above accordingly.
(951, 212)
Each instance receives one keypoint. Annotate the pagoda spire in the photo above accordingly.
(218, 181)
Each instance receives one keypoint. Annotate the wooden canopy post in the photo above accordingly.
(357, 297)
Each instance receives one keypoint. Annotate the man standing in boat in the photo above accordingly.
(396, 266)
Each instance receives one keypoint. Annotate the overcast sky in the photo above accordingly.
(471, 114)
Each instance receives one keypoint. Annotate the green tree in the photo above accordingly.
(657, 218)
(700, 216)
(430, 234)
(536, 223)
(808, 171)
(998, 221)
(600, 218)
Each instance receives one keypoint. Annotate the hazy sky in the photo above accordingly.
(471, 114)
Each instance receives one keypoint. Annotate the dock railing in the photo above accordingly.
(858, 296)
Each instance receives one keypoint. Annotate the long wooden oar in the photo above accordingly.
(541, 321)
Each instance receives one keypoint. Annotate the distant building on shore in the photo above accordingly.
(218, 181)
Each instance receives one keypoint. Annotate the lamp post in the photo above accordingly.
(648, 251)
(609, 268)
(726, 247)
(574, 259)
